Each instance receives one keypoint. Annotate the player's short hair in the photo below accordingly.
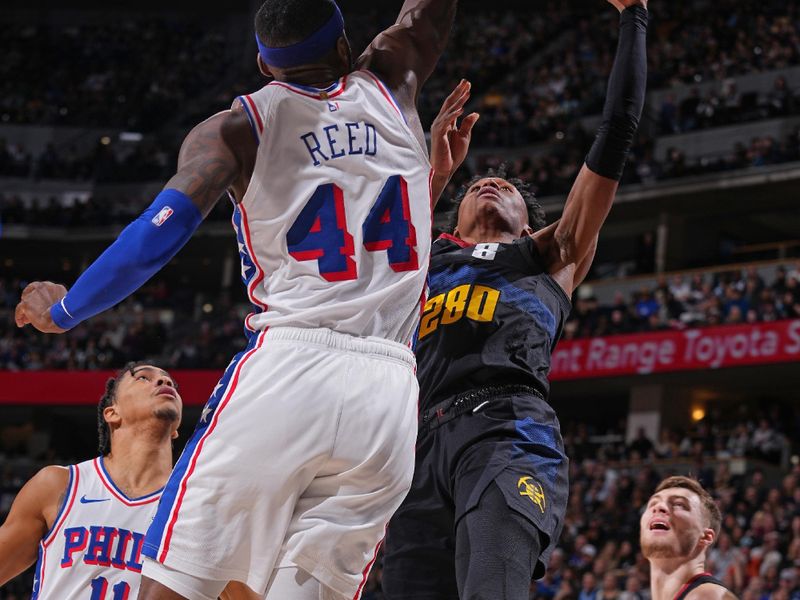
(282, 23)
(106, 400)
(712, 510)
(536, 216)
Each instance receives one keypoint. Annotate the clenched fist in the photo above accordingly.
(34, 306)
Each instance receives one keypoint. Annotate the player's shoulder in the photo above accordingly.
(51, 477)
(224, 123)
(711, 591)
(47, 487)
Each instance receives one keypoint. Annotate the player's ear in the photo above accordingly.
(344, 52)
(174, 434)
(707, 539)
(111, 415)
(263, 67)
(526, 230)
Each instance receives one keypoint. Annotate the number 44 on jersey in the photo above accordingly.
(320, 231)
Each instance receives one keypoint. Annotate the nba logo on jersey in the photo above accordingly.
(164, 214)
(333, 106)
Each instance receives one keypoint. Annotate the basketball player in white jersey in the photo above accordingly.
(305, 448)
(85, 524)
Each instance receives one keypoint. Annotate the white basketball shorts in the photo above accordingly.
(301, 456)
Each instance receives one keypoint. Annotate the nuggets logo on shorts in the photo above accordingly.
(530, 488)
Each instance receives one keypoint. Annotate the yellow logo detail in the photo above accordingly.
(530, 488)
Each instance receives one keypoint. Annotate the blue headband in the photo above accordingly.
(310, 49)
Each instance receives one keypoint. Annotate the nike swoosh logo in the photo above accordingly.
(85, 500)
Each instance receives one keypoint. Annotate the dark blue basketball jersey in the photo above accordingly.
(493, 317)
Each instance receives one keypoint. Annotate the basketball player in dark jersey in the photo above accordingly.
(487, 502)
(681, 522)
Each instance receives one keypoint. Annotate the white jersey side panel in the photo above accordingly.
(334, 229)
(93, 551)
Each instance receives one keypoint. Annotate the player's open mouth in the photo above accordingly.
(659, 525)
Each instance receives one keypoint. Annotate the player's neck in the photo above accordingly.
(668, 576)
(139, 462)
(319, 76)
(486, 234)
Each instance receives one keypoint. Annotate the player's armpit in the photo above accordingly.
(406, 53)
(31, 516)
(568, 274)
(212, 158)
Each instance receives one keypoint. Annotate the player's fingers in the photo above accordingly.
(30, 289)
(21, 316)
(455, 95)
(445, 122)
(468, 123)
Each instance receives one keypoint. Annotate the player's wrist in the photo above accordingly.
(61, 317)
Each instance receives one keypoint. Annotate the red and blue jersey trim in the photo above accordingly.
(159, 535)
(100, 467)
(252, 273)
(365, 572)
(332, 91)
(387, 93)
(253, 116)
(61, 516)
(455, 240)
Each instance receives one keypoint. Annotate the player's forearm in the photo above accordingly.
(430, 23)
(140, 251)
(591, 197)
(625, 96)
(14, 558)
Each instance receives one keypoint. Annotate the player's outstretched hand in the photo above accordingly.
(621, 5)
(449, 140)
(34, 307)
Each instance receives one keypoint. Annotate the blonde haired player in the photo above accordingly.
(681, 522)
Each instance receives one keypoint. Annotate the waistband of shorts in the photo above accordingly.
(451, 408)
(343, 342)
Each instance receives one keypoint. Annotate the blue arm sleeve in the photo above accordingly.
(140, 251)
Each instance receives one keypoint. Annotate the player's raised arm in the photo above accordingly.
(209, 163)
(591, 196)
(406, 53)
(32, 514)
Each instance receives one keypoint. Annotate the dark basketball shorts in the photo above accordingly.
(491, 478)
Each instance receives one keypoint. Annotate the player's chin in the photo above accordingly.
(658, 548)
(168, 411)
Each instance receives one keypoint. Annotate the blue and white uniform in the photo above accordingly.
(306, 446)
(94, 549)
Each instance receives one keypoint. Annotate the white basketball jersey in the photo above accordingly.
(334, 228)
(93, 551)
